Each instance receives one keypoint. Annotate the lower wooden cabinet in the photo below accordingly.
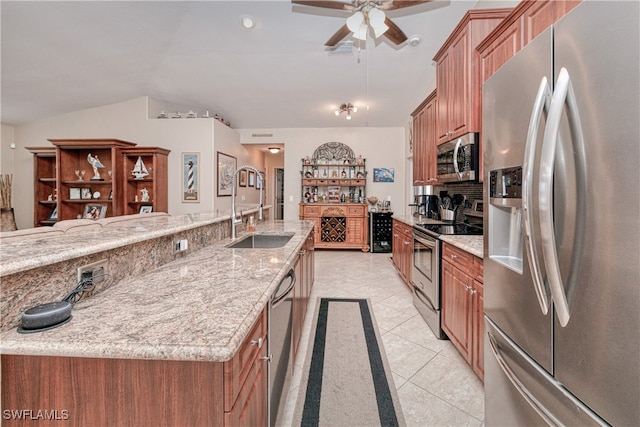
(338, 225)
(462, 304)
(304, 270)
(402, 250)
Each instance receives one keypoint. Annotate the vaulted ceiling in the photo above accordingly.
(59, 57)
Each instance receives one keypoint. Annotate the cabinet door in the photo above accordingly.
(430, 140)
(478, 329)
(251, 407)
(408, 256)
(460, 100)
(503, 48)
(444, 82)
(297, 317)
(419, 148)
(456, 308)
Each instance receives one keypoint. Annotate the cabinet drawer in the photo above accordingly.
(461, 259)
(357, 182)
(478, 269)
(322, 181)
(311, 210)
(334, 182)
(309, 182)
(355, 210)
(237, 369)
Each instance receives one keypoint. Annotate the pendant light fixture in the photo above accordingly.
(370, 16)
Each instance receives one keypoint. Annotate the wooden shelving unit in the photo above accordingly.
(155, 183)
(44, 185)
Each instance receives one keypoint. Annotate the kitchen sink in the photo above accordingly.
(261, 241)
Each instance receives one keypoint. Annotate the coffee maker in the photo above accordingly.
(425, 203)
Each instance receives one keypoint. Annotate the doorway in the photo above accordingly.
(279, 193)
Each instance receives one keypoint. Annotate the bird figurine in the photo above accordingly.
(95, 164)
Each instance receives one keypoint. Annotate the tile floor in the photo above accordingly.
(435, 385)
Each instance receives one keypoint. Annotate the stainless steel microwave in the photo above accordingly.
(458, 159)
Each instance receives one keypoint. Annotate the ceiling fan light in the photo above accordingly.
(361, 34)
(355, 21)
(348, 115)
(376, 17)
(379, 30)
(354, 109)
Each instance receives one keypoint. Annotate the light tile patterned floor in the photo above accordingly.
(435, 385)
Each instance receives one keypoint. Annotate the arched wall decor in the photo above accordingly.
(333, 152)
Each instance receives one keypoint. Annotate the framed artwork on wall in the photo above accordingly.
(252, 179)
(227, 165)
(383, 174)
(190, 177)
(242, 181)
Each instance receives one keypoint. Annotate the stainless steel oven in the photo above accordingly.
(426, 279)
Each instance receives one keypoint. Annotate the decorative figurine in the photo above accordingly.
(96, 164)
(80, 175)
(139, 169)
(145, 195)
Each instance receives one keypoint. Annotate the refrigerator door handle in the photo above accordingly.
(563, 95)
(540, 105)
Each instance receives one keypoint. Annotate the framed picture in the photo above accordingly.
(227, 166)
(54, 214)
(383, 174)
(190, 177)
(92, 211)
(146, 208)
(260, 181)
(242, 181)
(85, 193)
(252, 179)
(74, 193)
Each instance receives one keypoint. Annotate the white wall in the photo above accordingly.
(6, 152)
(129, 121)
(382, 147)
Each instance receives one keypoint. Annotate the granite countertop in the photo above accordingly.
(198, 308)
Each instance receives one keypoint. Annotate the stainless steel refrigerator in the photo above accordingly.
(562, 233)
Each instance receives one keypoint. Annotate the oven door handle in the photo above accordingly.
(428, 243)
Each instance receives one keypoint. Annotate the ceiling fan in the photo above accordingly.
(366, 14)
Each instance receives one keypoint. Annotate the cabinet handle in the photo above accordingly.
(302, 252)
(453, 257)
(258, 342)
(266, 358)
(405, 242)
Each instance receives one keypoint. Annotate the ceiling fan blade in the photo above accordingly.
(339, 35)
(394, 33)
(326, 4)
(399, 4)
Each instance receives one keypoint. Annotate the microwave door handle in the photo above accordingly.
(540, 105)
(456, 168)
(563, 95)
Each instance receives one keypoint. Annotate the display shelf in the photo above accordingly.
(44, 172)
(145, 169)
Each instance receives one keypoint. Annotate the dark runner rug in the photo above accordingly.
(347, 380)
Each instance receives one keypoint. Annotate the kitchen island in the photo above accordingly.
(180, 344)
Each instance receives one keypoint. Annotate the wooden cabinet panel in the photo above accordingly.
(155, 160)
(458, 74)
(537, 18)
(463, 304)
(402, 250)
(501, 49)
(424, 142)
(45, 190)
(338, 225)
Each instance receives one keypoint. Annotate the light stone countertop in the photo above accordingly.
(472, 244)
(198, 308)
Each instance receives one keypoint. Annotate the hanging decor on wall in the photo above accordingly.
(383, 174)
(190, 177)
(227, 166)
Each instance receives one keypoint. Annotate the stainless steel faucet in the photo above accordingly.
(234, 219)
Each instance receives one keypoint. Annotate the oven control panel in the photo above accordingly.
(506, 183)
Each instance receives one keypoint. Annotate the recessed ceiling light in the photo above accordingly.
(274, 150)
(247, 21)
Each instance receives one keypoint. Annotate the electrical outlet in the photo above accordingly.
(180, 245)
(95, 269)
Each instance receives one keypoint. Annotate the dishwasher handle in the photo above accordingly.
(279, 296)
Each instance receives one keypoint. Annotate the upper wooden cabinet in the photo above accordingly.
(424, 142)
(458, 75)
(527, 20)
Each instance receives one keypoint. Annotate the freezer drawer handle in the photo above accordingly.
(526, 394)
(540, 105)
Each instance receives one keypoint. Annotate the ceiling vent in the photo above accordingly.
(342, 48)
(261, 135)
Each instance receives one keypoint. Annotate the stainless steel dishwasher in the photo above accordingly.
(279, 344)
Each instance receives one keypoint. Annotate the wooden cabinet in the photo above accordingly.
(462, 304)
(304, 271)
(246, 379)
(334, 183)
(459, 88)
(424, 142)
(45, 190)
(527, 20)
(338, 226)
(77, 184)
(402, 247)
(153, 161)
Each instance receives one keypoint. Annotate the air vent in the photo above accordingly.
(342, 48)
(261, 135)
